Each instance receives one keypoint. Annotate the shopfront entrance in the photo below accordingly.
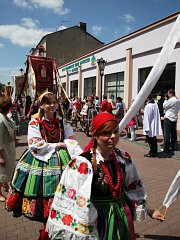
(166, 81)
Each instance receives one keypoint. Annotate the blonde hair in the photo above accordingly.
(46, 97)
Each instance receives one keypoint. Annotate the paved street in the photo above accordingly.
(157, 175)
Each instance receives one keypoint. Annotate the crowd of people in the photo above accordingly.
(94, 193)
(160, 119)
(81, 112)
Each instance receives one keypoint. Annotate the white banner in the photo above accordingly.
(173, 191)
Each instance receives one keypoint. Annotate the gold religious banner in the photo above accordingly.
(8, 91)
(19, 80)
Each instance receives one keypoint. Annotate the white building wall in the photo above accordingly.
(146, 45)
(151, 39)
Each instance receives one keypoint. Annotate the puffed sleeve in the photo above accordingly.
(133, 187)
(68, 131)
(37, 145)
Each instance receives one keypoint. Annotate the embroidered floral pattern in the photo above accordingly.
(59, 188)
(132, 185)
(82, 168)
(81, 201)
(68, 220)
(33, 122)
(31, 207)
(71, 193)
(34, 140)
(72, 137)
(53, 214)
(83, 228)
(127, 155)
(25, 205)
(35, 152)
(102, 182)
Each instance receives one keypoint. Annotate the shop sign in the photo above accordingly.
(74, 67)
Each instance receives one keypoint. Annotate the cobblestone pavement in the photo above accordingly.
(157, 175)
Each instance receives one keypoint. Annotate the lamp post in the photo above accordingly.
(101, 65)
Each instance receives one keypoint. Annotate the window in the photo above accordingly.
(74, 88)
(90, 86)
(165, 82)
(114, 85)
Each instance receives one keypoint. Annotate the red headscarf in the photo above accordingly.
(97, 122)
(100, 119)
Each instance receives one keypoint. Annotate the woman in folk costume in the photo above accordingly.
(39, 170)
(100, 191)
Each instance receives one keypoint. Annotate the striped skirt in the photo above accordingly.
(35, 182)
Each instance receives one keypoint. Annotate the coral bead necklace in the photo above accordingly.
(51, 131)
(115, 190)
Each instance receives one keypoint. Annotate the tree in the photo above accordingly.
(2, 88)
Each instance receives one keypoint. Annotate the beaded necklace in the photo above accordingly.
(52, 131)
(115, 190)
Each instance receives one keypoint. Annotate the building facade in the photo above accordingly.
(68, 44)
(128, 63)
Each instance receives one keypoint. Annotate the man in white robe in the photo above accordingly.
(152, 125)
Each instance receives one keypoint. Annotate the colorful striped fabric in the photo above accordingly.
(36, 178)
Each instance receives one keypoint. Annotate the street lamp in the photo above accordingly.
(101, 65)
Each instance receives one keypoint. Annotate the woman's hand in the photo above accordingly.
(60, 145)
(157, 215)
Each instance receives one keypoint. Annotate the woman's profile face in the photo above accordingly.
(108, 139)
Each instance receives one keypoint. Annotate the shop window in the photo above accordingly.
(114, 84)
(90, 86)
(165, 82)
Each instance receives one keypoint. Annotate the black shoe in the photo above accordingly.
(149, 155)
(164, 151)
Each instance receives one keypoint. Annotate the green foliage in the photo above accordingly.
(2, 88)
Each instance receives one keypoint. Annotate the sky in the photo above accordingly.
(23, 23)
